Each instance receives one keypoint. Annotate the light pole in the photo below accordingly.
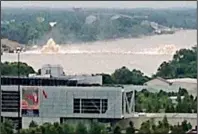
(19, 104)
(0, 91)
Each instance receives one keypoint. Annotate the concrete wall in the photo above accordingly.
(56, 71)
(88, 79)
(186, 85)
(59, 101)
(85, 79)
(75, 122)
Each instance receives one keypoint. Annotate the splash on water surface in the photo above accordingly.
(50, 47)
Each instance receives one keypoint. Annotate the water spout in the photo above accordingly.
(50, 47)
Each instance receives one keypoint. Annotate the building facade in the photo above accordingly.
(65, 104)
(64, 100)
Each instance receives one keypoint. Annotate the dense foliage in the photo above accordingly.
(163, 127)
(12, 68)
(56, 128)
(125, 76)
(149, 102)
(148, 127)
(28, 26)
(7, 127)
(183, 64)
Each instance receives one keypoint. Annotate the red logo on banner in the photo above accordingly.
(33, 97)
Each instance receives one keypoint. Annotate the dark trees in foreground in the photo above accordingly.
(147, 127)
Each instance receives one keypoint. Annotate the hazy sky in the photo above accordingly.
(100, 4)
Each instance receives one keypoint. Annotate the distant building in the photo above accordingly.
(52, 70)
(187, 83)
(87, 79)
(57, 71)
(158, 82)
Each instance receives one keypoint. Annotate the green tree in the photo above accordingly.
(107, 79)
(122, 76)
(11, 69)
(81, 129)
(145, 128)
(186, 126)
(67, 129)
(182, 92)
(130, 129)
(177, 129)
(33, 124)
(117, 130)
(33, 24)
(96, 128)
(125, 76)
(7, 127)
(182, 65)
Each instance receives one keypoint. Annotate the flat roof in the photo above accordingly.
(70, 88)
(183, 80)
(26, 77)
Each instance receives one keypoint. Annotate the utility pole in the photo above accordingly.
(0, 92)
(19, 104)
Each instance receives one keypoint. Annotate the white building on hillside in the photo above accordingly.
(158, 82)
(187, 83)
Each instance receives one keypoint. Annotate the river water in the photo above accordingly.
(145, 54)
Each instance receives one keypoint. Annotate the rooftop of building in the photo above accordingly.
(50, 65)
(176, 80)
(184, 80)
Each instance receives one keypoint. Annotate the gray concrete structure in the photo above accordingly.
(107, 104)
(57, 71)
(86, 79)
(101, 102)
(53, 70)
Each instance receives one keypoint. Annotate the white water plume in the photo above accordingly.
(162, 50)
(154, 45)
(133, 53)
(52, 48)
